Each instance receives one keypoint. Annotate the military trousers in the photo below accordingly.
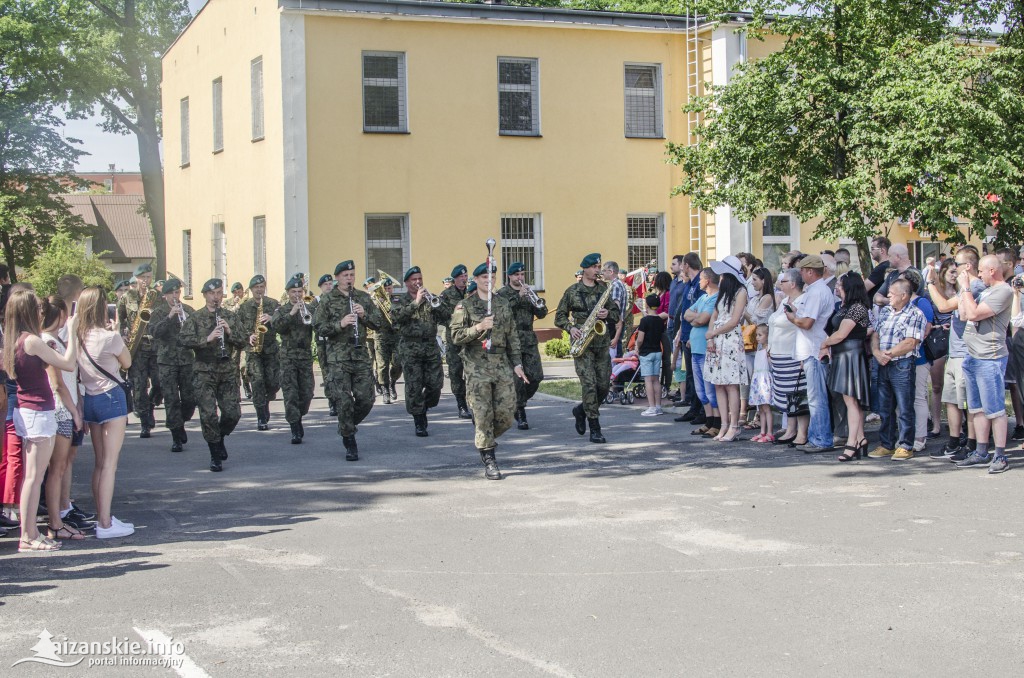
(145, 377)
(264, 376)
(177, 382)
(371, 350)
(491, 393)
(456, 371)
(296, 387)
(594, 368)
(352, 389)
(388, 367)
(217, 390)
(424, 377)
(534, 371)
(321, 360)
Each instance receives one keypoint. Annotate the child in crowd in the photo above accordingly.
(761, 387)
(648, 340)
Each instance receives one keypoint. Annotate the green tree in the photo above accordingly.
(65, 255)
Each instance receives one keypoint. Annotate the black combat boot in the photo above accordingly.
(223, 450)
(351, 449)
(144, 423)
(152, 418)
(420, 421)
(302, 431)
(463, 408)
(296, 436)
(261, 419)
(332, 410)
(491, 471)
(394, 393)
(521, 418)
(215, 458)
(581, 419)
(595, 430)
(386, 392)
(176, 444)
(183, 435)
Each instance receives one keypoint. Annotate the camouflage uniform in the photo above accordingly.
(456, 371)
(144, 370)
(490, 387)
(523, 313)
(593, 366)
(296, 364)
(175, 364)
(263, 368)
(388, 367)
(215, 378)
(348, 365)
(231, 304)
(321, 356)
(416, 326)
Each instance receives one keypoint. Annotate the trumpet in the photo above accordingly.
(435, 301)
(307, 317)
(180, 310)
(534, 298)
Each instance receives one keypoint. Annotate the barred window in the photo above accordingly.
(521, 241)
(644, 240)
(518, 97)
(184, 133)
(259, 245)
(218, 115)
(219, 252)
(186, 262)
(384, 92)
(256, 82)
(387, 245)
(643, 101)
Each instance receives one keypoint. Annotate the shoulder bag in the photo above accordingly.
(126, 386)
(797, 402)
(936, 344)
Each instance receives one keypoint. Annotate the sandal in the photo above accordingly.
(751, 425)
(65, 531)
(846, 456)
(767, 438)
(40, 543)
(758, 438)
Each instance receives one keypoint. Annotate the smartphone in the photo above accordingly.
(74, 307)
(111, 312)
(787, 308)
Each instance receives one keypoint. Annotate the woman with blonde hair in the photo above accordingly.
(106, 409)
(26, 356)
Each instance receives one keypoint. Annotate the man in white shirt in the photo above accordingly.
(810, 316)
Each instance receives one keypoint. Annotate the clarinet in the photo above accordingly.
(355, 325)
(224, 355)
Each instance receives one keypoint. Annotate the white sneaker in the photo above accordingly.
(873, 416)
(114, 520)
(114, 531)
(649, 412)
(658, 410)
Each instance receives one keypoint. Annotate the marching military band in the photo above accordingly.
(365, 339)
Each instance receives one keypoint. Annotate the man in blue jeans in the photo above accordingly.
(691, 268)
(810, 314)
(899, 331)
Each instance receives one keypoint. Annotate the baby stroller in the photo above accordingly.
(626, 384)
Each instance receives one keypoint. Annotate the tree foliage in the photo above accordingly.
(65, 255)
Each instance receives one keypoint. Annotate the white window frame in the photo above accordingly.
(627, 92)
(259, 245)
(219, 249)
(186, 262)
(536, 243)
(371, 267)
(184, 118)
(256, 97)
(658, 241)
(533, 88)
(793, 239)
(218, 115)
(401, 82)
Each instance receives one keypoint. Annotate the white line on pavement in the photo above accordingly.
(181, 663)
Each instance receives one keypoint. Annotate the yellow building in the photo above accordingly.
(298, 133)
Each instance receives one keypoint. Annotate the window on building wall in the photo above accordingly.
(259, 245)
(779, 234)
(643, 101)
(521, 241)
(256, 80)
(184, 133)
(518, 97)
(219, 252)
(186, 263)
(218, 115)
(384, 92)
(387, 245)
(645, 235)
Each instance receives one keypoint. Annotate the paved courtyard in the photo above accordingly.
(652, 555)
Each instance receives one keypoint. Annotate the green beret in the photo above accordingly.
(590, 260)
(158, 284)
(143, 269)
(369, 281)
(122, 283)
(482, 269)
(459, 270)
(411, 272)
(448, 280)
(388, 282)
(295, 282)
(347, 265)
(170, 286)
(579, 273)
(516, 267)
(326, 277)
(212, 284)
(236, 286)
(256, 280)
(471, 287)
(131, 280)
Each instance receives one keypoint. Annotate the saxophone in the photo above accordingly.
(141, 322)
(592, 327)
(260, 330)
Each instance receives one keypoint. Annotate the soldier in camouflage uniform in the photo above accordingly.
(451, 296)
(231, 303)
(490, 345)
(296, 357)
(388, 368)
(326, 284)
(416, 321)
(144, 371)
(264, 366)
(343, 316)
(212, 333)
(371, 344)
(175, 362)
(593, 366)
(523, 312)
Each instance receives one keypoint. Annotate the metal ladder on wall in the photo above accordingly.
(697, 221)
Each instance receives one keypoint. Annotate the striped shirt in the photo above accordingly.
(893, 327)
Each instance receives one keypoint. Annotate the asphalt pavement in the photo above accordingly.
(654, 554)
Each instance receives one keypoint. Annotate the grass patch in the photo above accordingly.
(569, 389)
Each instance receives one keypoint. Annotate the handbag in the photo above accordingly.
(749, 338)
(936, 344)
(126, 386)
(797, 402)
